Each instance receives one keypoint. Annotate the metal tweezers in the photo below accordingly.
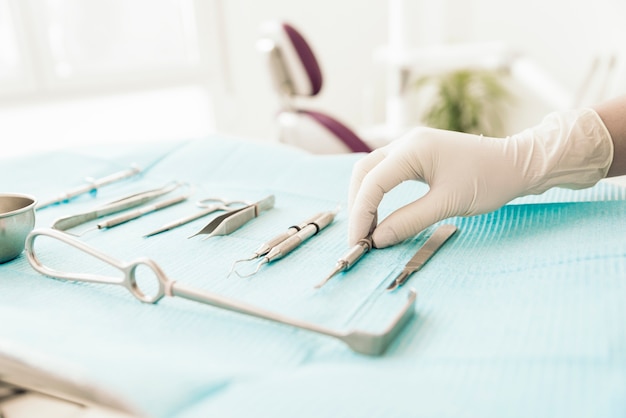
(359, 341)
(235, 218)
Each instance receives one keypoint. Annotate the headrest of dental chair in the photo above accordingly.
(293, 65)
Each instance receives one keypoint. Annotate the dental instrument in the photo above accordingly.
(91, 187)
(350, 258)
(127, 202)
(235, 218)
(291, 243)
(426, 251)
(354, 254)
(364, 342)
(268, 245)
(137, 213)
(209, 205)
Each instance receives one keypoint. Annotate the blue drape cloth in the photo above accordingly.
(520, 314)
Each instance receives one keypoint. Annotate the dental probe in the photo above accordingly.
(268, 245)
(292, 230)
(350, 258)
(291, 243)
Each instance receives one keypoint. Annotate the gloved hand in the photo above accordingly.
(471, 175)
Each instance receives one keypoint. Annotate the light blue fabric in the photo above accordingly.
(520, 314)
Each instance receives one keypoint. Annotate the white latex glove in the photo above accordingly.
(471, 175)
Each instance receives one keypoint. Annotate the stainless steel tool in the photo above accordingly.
(139, 212)
(268, 245)
(91, 187)
(209, 205)
(292, 242)
(426, 251)
(354, 254)
(235, 218)
(360, 341)
(349, 259)
(127, 202)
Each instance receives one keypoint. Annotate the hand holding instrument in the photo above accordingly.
(360, 341)
(474, 174)
(426, 251)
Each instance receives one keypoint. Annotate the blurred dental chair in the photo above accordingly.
(295, 73)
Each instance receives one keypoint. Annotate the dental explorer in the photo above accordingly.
(291, 243)
(268, 245)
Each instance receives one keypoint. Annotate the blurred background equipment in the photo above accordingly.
(295, 73)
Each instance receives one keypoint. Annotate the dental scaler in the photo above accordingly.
(349, 259)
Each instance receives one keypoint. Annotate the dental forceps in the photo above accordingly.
(360, 341)
(128, 202)
(208, 205)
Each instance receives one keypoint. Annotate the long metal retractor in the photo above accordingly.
(289, 244)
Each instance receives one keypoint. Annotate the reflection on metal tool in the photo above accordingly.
(236, 218)
(128, 202)
(360, 341)
(426, 251)
(91, 187)
(350, 258)
(209, 205)
(292, 242)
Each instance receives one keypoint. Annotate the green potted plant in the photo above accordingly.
(471, 101)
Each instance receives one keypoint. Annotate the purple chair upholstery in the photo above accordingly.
(306, 56)
(300, 64)
(341, 131)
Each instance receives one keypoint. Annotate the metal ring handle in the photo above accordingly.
(129, 269)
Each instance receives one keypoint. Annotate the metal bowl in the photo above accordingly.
(17, 219)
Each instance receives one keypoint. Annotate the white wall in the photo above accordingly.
(561, 36)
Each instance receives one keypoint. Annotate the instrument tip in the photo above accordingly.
(338, 268)
(258, 267)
